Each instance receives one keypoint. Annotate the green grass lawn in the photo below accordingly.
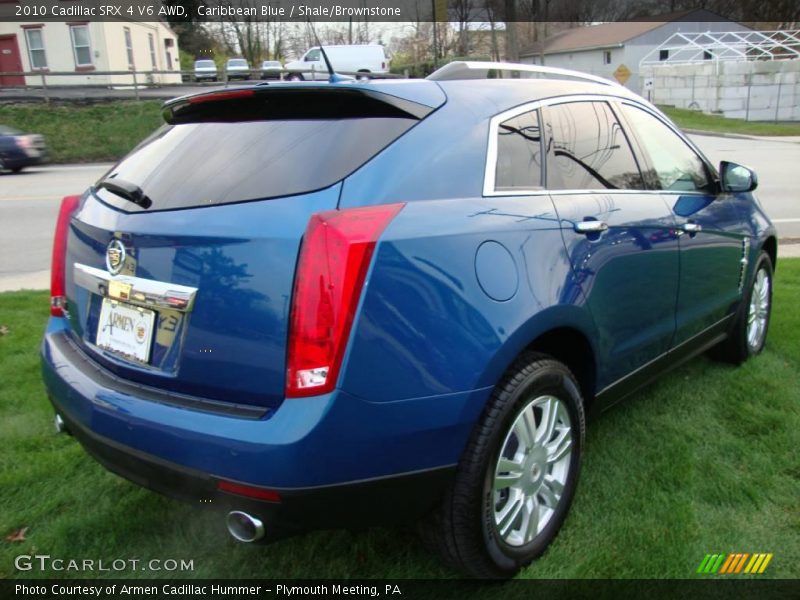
(704, 461)
(79, 133)
(691, 119)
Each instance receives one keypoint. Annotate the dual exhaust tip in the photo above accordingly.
(244, 527)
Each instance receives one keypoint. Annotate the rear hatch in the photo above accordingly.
(182, 257)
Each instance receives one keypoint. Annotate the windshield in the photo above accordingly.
(271, 63)
(237, 62)
(204, 64)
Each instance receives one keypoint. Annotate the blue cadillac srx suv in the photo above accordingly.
(330, 304)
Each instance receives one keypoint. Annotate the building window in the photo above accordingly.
(607, 57)
(36, 52)
(152, 42)
(81, 45)
(129, 47)
(663, 54)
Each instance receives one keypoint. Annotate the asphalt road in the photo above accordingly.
(29, 202)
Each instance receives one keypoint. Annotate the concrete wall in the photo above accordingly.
(108, 52)
(752, 90)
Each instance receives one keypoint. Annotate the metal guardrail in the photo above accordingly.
(142, 80)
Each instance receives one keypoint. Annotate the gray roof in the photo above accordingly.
(612, 35)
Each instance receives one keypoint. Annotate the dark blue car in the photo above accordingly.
(19, 150)
(336, 304)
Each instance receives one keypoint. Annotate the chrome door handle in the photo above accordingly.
(692, 227)
(588, 227)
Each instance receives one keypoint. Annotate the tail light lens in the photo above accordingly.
(334, 258)
(58, 297)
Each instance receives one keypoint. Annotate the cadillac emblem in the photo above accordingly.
(115, 256)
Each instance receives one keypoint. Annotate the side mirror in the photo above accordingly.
(736, 178)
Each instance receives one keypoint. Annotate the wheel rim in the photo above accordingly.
(758, 312)
(531, 470)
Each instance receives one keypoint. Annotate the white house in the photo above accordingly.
(87, 48)
(619, 47)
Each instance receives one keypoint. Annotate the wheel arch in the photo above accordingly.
(563, 332)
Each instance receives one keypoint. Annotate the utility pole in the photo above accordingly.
(435, 38)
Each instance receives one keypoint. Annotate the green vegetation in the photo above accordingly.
(704, 461)
(86, 133)
(691, 119)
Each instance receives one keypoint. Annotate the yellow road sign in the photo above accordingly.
(622, 74)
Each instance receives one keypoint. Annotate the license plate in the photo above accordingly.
(126, 329)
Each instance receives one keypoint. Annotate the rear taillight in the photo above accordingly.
(58, 294)
(334, 258)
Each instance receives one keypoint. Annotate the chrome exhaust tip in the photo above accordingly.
(243, 527)
(59, 424)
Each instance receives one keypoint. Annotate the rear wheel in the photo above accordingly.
(517, 477)
(294, 77)
(749, 332)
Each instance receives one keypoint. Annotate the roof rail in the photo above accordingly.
(462, 69)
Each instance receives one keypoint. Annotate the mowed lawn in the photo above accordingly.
(86, 133)
(704, 461)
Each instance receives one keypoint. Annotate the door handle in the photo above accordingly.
(692, 228)
(588, 227)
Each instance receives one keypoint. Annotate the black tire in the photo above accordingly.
(737, 347)
(294, 77)
(463, 529)
(16, 169)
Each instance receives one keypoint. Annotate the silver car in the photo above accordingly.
(271, 69)
(205, 70)
(237, 68)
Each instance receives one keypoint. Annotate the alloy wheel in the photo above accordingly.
(758, 312)
(532, 470)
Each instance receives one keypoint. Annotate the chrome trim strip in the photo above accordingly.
(494, 124)
(147, 293)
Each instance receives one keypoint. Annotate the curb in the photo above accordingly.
(738, 136)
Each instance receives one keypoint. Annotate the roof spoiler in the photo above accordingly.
(262, 103)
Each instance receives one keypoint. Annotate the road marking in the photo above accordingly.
(25, 198)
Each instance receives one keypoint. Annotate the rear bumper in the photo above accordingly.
(335, 460)
(353, 504)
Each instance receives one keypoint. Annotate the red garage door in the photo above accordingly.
(10, 61)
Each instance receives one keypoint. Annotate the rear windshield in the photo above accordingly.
(211, 163)
(237, 62)
(204, 63)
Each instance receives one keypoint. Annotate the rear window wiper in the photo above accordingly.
(126, 189)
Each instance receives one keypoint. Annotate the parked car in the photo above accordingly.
(237, 68)
(19, 150)
(413, 329)
(271, 69)
(205, 70)
(357, 59)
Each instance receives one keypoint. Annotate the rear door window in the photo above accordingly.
(519, 153)
(588, 150)
(210, 163)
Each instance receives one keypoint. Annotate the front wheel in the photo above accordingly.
(294, 77)
(517, 477)
(751, 323)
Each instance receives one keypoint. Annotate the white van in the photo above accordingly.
(369, 59)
